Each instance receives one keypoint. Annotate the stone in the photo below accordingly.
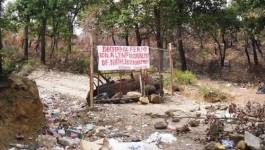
(171, 112)
(183, 129)
(97, 145)
(66, 141)
(21, 113)
(241, 145)
(155, 99)
(198, 115)
(144, 100)
(134, 94)
(252, 141)
(214, 146)
(175, 119)
(160, 125)
(194, 123)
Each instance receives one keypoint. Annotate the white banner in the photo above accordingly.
(123, 58)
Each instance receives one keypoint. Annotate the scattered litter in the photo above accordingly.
(229, 144)
(161, 137)
(88, 127)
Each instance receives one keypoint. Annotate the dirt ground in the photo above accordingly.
(64, 94)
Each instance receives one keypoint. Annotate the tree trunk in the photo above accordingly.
(54, 39)
(26, 39)
(258, 47)
(1, 44)
(43, 39)
(1, 47)
(113, 38)
(138, 35)
(255, 56)
(246, 51)
(223, 51)
(127, 38)
(69, 41)
(159, 42)
(181, 49)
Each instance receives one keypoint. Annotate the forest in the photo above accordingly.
(203, 89)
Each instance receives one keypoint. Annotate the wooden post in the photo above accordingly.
(91, 80)
(141, 83)
(120, 74)
(171, 68)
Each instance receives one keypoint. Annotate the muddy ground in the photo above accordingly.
(63, 95)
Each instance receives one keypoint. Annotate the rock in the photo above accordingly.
(144, 100)
(155, 99)
(194, 123)
(183, 129)
(66, 141)
(214, 146)
(171, 112)
(175, 119)
(86, 145)
(252, 141)
(198, 115)
(46, 141)
(160, 125)
(241, 145)
(21, 110)
(134, 94)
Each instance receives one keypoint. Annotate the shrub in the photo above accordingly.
(184, 77)
(213, 95)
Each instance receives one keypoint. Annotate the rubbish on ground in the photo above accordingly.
(261, 90)
(88, 127)
(229, 144)
(149, 144)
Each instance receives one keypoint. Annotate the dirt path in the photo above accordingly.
(240, 94)
(61, 83)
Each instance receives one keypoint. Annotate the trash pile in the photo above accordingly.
(243, 129)
(154, 142)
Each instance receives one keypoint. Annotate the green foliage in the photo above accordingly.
(184, 77)
(213, 95)
(79, 65)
